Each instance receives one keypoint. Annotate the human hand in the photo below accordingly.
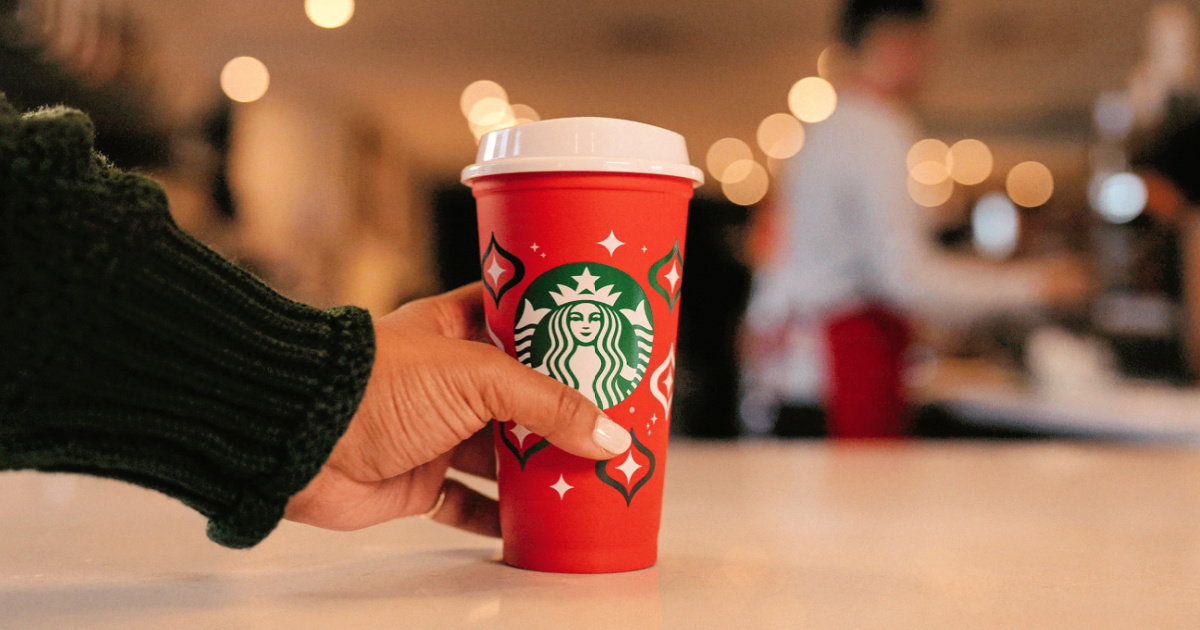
(432, 391)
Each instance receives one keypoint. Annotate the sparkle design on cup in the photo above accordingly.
(561, 486)
(662, 384)
(510, 431)
(588, 326)
(636, 468)
(500, 264)
(666, 276)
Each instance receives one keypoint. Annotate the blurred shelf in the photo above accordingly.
(1128, 410)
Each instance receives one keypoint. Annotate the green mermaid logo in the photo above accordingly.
(596, 339)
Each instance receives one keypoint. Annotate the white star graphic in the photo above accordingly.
(629, 467)
(543, 254)
(586, 281)
(673, 276)
(643, 249)
(521, 432)
(561, 486)
(654, 418)
(534, 247)
(611, 243)
(495, 271)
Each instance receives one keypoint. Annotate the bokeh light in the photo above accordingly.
(812, 99)
(477, 91)
(729, 160)
(826, 61)
(995, 226)
(525, 114)
(245, 79)
(930, 196)
(1030, 184)
(1122, 197)
(970, 162)
(750, 189)
(928, 162)
(780, 136)
(329, 13)
(491, 111)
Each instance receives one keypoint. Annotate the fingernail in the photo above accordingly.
(609, 436)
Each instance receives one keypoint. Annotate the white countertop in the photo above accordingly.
(755, 535)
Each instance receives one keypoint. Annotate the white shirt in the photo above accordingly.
(852, 235)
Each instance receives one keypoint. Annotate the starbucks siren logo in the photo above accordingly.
(588, 326)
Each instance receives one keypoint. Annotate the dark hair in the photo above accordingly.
(858, 16)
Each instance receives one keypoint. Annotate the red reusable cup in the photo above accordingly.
(581, 237)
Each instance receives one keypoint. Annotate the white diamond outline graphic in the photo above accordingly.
(561, 486)
(612, 243)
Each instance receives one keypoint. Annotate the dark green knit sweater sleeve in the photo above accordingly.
(129, 350)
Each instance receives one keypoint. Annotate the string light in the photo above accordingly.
(490, 111)
(729, 160)
(812, 99)
(928, 162)
(525, 114)
(750, 189)
(329, 13)
(245, 79)
(826, 61)
(1030, 184)
(930, 196)
(970, 162)
(780, 136)
(477, 91)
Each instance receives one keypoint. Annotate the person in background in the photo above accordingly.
(855, 259)
(1168, 160)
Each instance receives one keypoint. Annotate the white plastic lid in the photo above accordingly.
(605, 145)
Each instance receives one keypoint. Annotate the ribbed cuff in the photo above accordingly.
(273, 381)
(191, 377)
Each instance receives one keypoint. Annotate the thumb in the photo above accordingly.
(512, 391)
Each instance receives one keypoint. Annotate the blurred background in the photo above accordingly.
(319, 144)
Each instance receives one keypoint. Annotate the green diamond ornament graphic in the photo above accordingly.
(511, 431)
(629, 468)
(666, 276)
(501, 270)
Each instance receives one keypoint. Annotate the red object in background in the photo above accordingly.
(866, 396)
(582, 276)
